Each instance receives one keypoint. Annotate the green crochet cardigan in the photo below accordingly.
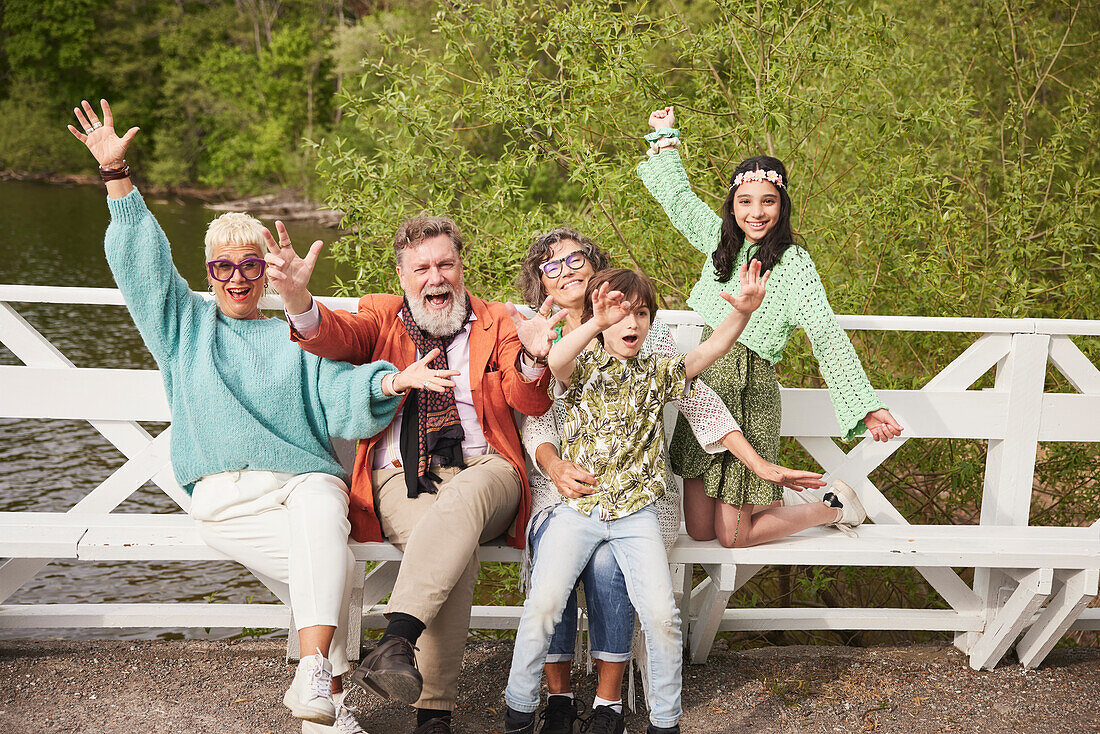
(795, 296)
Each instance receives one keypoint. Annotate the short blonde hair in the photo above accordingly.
(234, 228)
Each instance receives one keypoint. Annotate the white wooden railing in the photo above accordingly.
(1013, 416)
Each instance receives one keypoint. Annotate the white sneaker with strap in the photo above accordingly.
(345, 723)
(845, 499)
(310, 695)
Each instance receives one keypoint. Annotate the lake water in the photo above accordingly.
(53, 235)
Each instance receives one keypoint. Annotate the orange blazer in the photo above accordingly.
(377, 332)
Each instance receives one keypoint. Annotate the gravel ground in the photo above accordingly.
(184, 687)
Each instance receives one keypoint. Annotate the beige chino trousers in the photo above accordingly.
(439, 535)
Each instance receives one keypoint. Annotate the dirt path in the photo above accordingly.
(122, 687)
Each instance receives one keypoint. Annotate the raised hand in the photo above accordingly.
(608, 306)
(289, 274)
(536, 334)
(422, 377)
(752, 289)
(662, 118)
(882, 425)
(100, 137)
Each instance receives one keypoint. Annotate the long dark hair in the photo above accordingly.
(732, 238)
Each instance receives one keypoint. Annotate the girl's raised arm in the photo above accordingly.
(664, 176)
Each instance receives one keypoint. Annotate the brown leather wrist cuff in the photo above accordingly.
(539, 361)
(114, 174)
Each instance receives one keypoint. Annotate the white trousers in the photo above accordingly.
(292, 532)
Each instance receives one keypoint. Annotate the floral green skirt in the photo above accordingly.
(747, 384)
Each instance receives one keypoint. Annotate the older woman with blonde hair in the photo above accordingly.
(252, 415)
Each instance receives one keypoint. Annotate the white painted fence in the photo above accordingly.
(1029, 581)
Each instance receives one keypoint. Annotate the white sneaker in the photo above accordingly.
(310, 695)
(346, 723)
(852, 513)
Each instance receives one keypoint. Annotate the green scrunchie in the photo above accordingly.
(662, 132)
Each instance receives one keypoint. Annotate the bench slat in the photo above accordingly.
(765, 619)
(50, 616)
(31, 542)
(118, 536)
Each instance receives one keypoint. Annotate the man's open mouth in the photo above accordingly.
(438, 300)
(630, 340)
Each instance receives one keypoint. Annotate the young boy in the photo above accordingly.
(614, 402)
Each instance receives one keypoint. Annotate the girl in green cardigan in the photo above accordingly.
(722, 499)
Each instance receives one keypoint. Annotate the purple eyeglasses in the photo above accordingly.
(252, 268)
(574, 261)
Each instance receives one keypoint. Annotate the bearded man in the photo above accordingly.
(448, 473)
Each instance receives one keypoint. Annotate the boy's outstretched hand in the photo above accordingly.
(608, 306)
(752, 289)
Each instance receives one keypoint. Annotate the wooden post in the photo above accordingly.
(1009, 620)
(1077, 590)
(1010, 462)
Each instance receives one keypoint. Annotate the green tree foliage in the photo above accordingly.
(942, 162)
(225, 92)
(943, 155)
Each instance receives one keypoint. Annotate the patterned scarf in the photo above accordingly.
(430, 426)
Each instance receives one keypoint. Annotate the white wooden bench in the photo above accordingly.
(1032, 584)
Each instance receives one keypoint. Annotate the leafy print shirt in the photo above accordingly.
(613, 427)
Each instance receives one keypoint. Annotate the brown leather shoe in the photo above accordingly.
(390, 671)
(433, 726)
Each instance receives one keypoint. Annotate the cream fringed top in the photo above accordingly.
(795, 297)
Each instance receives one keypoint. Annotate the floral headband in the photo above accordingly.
(772, 177)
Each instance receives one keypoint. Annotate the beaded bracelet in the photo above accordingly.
(662, 132)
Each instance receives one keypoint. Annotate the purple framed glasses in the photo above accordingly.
(574, 260)
(252, 268)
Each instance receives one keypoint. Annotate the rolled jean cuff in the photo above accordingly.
(523, 708)
(559, 657)
(612, 657)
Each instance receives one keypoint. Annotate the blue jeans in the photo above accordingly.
(610, 613)
(635, 541)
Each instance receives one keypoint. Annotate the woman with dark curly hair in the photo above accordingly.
(559, 265)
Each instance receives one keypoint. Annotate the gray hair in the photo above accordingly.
(415, 230)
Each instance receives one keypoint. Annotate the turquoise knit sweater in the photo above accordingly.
(795, 297)
(242, 395)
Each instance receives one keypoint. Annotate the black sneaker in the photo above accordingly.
(434, 726)
(517, 722)
(605, 720)
(560, 715)
(663, 730)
